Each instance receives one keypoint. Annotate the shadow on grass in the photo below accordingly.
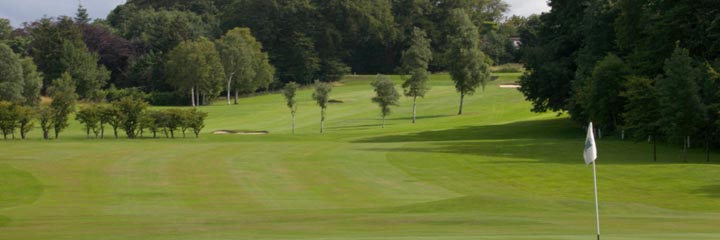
(561, 128)
(528, 142)
(712, 191)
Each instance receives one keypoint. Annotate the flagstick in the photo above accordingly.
(597, 209)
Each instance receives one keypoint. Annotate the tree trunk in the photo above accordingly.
(685, 149)
(462, 98)
(414, 108)
(87, 133)
(707, 149)
(654, 148)
(102, 132)
(197, 96)
(46, 134)
(22, 131)
(228, 89)
(237, 94)
(115, 132)
(322, 120)
(192, 96)
(383, 121)
(293, 123)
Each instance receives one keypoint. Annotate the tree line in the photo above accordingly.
(129, 114)
(647, 69)
(258, 44)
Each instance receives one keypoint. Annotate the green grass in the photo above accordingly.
(498, 172)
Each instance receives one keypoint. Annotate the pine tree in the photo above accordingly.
(81, 16)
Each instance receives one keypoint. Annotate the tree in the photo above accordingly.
(90, 118)
(680, 103)
(387, 96)
(322, 96)
(153, 121)
(81, 16)
(5, 29)
(710, 96)
(605, 103)
(468, 65)
(63, 97)
(130, 114)
(32, 82)
(8, 119)
(11, 76)
(49, 37)
(246, 66)
(415, 61)
(83, 67)
(641, 117)
(195, 66)
(196, 121)
(45, 116)
(550, 43)
(25, 116)
(115, 53)
(111, 116)
(290, 91)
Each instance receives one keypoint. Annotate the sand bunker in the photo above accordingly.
(509, 86)
(240, 132)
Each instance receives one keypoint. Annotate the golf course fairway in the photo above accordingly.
(497, 172)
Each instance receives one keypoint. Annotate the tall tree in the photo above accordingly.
(5, 29)
(49, 37)
(682, 108)
(290, 91)
(195, 67)
(322, 97)
(246, 66)
(605, 104)
(63, 97)
(415, 62)
(32, 82)
(83, 67)
(641, 117)
(550, 44)
(469, 67)
(81, 16)
(386, 95)
(11, 76)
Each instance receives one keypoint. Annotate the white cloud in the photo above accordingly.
(30, 10)
(527, 7)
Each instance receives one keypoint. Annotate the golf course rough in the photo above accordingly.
(497, 172)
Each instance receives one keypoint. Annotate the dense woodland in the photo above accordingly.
(643, 68)
(189, 52)
(139, 44)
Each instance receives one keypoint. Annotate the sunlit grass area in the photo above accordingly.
(496, 172)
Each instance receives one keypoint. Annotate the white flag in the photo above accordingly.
(590, 153)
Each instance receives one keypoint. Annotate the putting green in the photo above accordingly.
(497, 172)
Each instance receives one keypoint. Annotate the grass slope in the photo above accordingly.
(498, 172)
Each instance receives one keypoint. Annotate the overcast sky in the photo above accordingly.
(19, 11)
